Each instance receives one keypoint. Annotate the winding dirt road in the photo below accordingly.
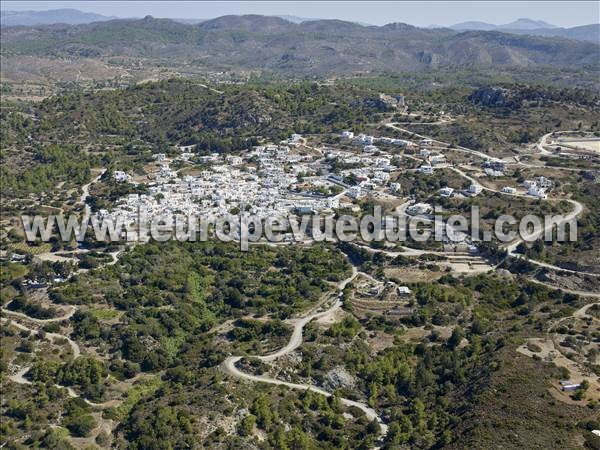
(512, 247)
(65, 316)
(229, 365)
(393, 125)
(52, 336)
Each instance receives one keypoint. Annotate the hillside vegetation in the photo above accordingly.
(313, 48)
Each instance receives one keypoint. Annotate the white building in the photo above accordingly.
(446, 192)
(509, 190)
(368, 185)
(364, 139)
(400, 142)
(493, 173)
(395, 187)
(381, 177)
(185, 156)
(437, 159)
(120, 176)
(427, 170)
(333, 202)
(404, 290)
(347, 134)
(475, 189)
(419, 208)
(370, 148)
(165, 171)
(355, 192)
(382, 162)
(538, 192)
(234, 160)
(544, 182)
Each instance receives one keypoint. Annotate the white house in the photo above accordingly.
(165, 171)
(120, 176)
(395, 187)
(544, 182)
(437, 159)
(381, 177)
(347, 134)
(368, 185)
(186, 156)
(333, 202)
(427, 170)
(364, 139)
(370, 148)
(355, 192)
(424, 153)
(446, 192)
(419, 208)
(234, 160)
(493, 173)
(475, 189)
(404, 290)
(400, 142)
(538, 192)
(382, 162)
(509, 190)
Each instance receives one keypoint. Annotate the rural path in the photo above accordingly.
(65, 316)
(511, 248)
(393, 125)
(19, 377)
(52, 336)
(229, 365)
(216, 91)
(86, 188)
(568, 291)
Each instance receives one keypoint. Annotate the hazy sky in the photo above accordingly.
(424, 13)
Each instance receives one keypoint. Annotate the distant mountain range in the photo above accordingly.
(32, 18)
(520, 24)
(590, 33)
(76, 17)
(311, 48)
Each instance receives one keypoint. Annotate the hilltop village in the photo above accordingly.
(293, 177)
